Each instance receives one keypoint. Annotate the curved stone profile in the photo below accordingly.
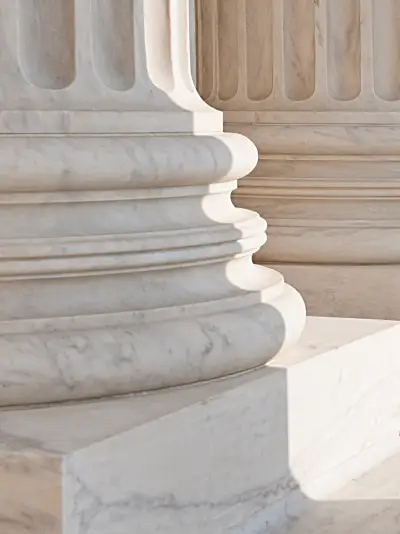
(116, 287)
(125, 266)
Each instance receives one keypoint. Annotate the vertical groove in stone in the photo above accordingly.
(386, 37)
(344, 49)
(299, 48)
(207, 36)
(47, 42)
(228, 48)
(113, 53)
(259, 49)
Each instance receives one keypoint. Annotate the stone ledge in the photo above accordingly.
(218, 457)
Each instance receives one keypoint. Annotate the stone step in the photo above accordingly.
(231, 456)
(367, 505)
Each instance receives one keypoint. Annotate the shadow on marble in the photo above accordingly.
(185, 460)
(369, 504)
(199, 459)
(134, 288)
(220, 457)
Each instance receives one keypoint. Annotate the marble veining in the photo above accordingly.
(235, 453)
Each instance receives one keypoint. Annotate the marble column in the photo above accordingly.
(124, 265)
(316, 85)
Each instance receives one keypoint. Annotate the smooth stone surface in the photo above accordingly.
(365, 291)
(226, 456)
(370, 504)
(314, 84)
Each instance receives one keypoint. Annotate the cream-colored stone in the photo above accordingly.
(370, 504)
(357, 290)
(124, 264)
(315, 84)
(229, 456)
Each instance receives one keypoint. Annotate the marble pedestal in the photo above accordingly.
(234, 455)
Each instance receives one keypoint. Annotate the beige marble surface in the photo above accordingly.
(225, 456)
(315, 85)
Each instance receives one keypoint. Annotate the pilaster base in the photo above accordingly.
(227, 456)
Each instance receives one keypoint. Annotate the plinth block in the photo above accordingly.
(226, 456)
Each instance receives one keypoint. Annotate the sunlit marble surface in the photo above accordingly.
(225, 456)
(368, 505)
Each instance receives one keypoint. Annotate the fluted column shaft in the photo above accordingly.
(124, 265)
(315, 84)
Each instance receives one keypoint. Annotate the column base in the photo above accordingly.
(125, 267)
(114, 354)
(229, 456)
(364, 291)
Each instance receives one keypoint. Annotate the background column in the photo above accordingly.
(316, 85)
